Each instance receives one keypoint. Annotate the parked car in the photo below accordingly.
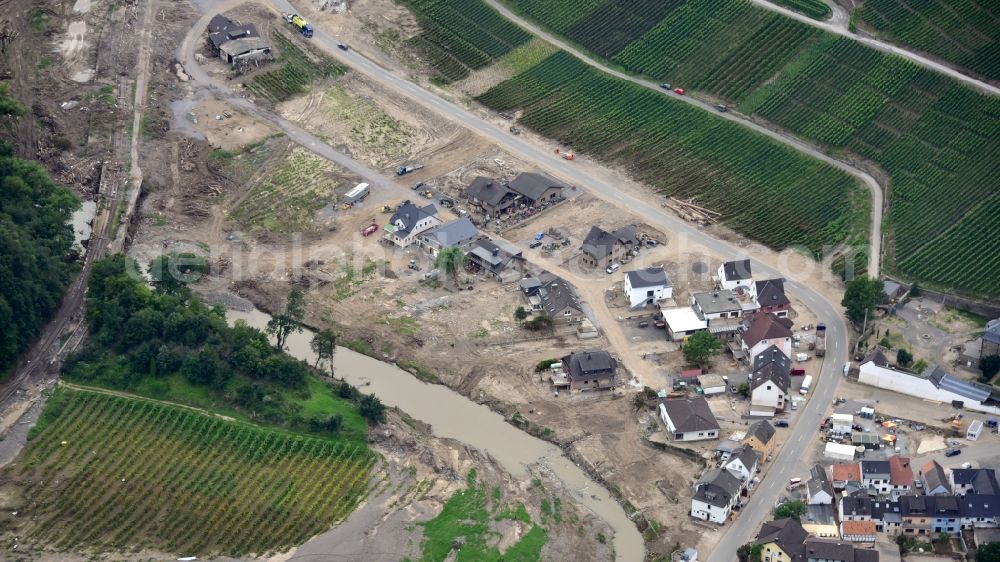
(665, 86)
(722, 108)
(535, 244)
(342, 46)
(613, 267)
(679, 91)
(781, 423)
(953, 452)
(418, 185)
(643, 323)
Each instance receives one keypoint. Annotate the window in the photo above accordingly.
(769, 387)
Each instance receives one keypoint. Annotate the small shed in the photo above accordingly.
(841, 423)
(866, 440)
(838, 451)
(867, 412)
(712, 384)
(975, 429)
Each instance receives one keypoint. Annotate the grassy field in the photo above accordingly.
(460, 36)
(114, 473)
(965, 32)
(764, 190)
(294, 73)
(286, 198)
(938, 141)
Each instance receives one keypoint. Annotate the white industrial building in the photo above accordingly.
(933, 384)
(839, 452)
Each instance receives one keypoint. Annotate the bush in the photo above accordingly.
(990, 366)
(538, 323)
(903, 358)
(545, 364)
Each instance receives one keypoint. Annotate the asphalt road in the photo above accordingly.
(875, 240)
(837, 27)
(786, 463)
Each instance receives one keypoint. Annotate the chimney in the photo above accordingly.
(496, 251)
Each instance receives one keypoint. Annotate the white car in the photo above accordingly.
(613, 267)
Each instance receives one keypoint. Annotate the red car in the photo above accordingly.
(679, 91)
(369, 230)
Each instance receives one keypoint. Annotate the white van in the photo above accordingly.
(847, 368)
(613, 267)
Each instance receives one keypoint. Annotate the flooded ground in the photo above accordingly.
(82, 222)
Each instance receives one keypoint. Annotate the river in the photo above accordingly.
(454, 416)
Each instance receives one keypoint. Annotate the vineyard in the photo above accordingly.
(962, 31)
(816, 9)
(764, 190)
(460, 36)
(115, 473)
(296, 70)
(286, 198)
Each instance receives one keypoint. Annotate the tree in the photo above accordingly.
(701, 347)
(919, 366)
(989, 552)
(450, 260)
(914, 290)
(861, 296)
(990, 366)
(903, 358)
(172, 272)
(372, 409)
(743, 389)
(795, 510)
(743, 552)
(282, 325)
(520, 313)
(324, 345)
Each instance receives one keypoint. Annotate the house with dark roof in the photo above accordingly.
(819, 489)
(946, 516)
(991, 339)
(933, 384)
(979, 511)
(885, 513)
(769, 295)
(760, 436)
(830, 550)
(536, 188)
(982, 481)
(601, 248)
(558, 300)
(496, 259)
(770, 380)
(733, 274)
(764, 330)
(716, 494)
(590, 370)
(916, 514)
(408, 222)
(491, 196)
(689, 419)
(934, 480)
(875, 475)
(226, 30)
(647, 286)
(742, 464)
(781, 540)
(459, 233)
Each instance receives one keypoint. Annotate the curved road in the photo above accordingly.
(875, 240)
(787, 462)
(837, 28)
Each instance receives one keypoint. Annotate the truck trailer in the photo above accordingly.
(820, 340)
(806, 383)
(357, 194)
(299, 23)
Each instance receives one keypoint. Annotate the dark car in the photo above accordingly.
(781, 423)
(342, 46)
(953, 452)
(418, 185)
(535, 244)
(721, 108)
(666, 86)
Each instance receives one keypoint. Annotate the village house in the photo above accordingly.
(934, 480)
(491, 196)
(884, 513)
(733, 274)
(933, 384)
(689, 419)
(875, 476)
(590, 370)
(769, 382)
(408, 222)
(602, 248)
(900, 476)
(716, 494)
(682, 322)
(647, 286)
(858, 531)
(460, 233)
(498, 259)
(764, 330)
(719, 306)
(781, 540)
(222, 29)
(559, 301)
(820, 520)
(819, 490)
(846, 476)
(742, 464)
(916, 516)
(536, 188)
(982, 481)
(829, 550)
(770, 297)
(245, 49)
(760, 436)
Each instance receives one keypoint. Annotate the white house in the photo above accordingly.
(764, 330)
(819, 489)
(689, 419)
(682, 322)
(875, 475)
(742, 464)
(716, 494)
(769, 381)
(933, 384)
(408, 222)
(460, 232)
(647, 286)
(733, 274)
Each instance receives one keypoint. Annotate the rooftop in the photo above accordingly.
(683, 319)
(408, 215)
(859, 528)
(764, 326)
(783, 532)
(600, 243)
(691, 414)
(846, 472)
(992, 332)
(900, 473)
(533, 185)
(736, 270)
(719, 490)
(488, 191)
(934, 476)
(873, 467)
(771, 292)
(717, 302)
(649, 277)
(762, 430)
(587, 364)
(453, 233)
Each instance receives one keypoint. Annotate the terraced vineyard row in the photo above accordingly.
(763, 189)
(816, 9)
(966, 32)
(462, 35)
(295, 72)
(111, 472)
(285, 199)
